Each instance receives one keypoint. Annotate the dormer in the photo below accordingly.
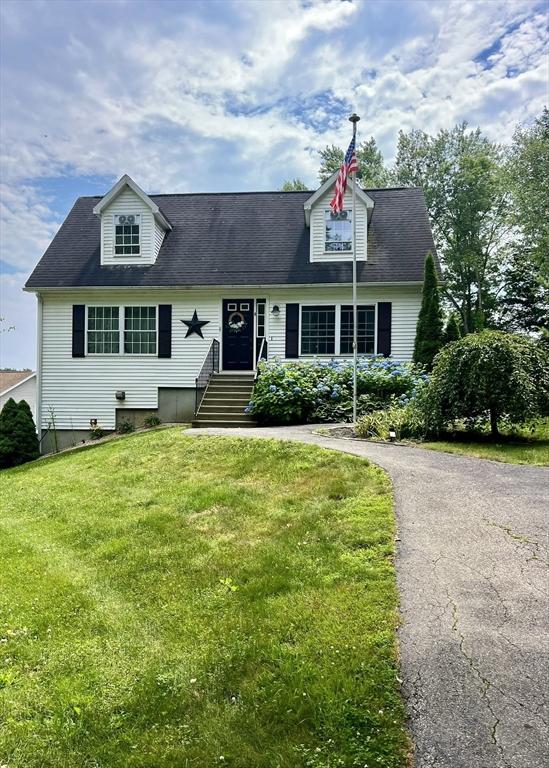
(132, 225)
(332, 233)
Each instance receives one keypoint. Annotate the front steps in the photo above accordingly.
(224, 401)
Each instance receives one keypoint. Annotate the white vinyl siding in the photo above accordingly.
(79, 389)
(159, 235)
(127, 202)
(318, 229)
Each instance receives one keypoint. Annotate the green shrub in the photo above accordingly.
(97, 432)
(429, 323)
(18, 438)
(490, 375)
(152, 421)
(26, 439)
(8, 417)
(452, 331)
(321, 391)
(406, 420)
(125, 427)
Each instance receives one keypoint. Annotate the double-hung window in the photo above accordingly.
(318, 330)
(140, 330)
(366, 328)
(339, 231)
(328, 329)
(127, 234)
(126, 330)
(103, 330)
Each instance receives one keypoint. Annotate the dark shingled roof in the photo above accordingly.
(255, 238)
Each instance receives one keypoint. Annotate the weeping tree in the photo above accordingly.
(429, 324)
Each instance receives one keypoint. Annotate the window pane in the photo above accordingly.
(339, 231)
(365, 332)
(103, 325)
(140, 330)
(126, 238)
(318, 330)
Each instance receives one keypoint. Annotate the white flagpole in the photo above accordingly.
(354, 120)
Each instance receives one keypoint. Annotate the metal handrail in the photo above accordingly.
(209, 366)
(261, 355)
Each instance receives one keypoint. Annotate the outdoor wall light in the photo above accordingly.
(275, 311)
(93, 423)
(392, 435)
(120, 394)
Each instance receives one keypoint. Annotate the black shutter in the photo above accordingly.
(78, 329)
(384, 328)
(292, 330)
(164, 330)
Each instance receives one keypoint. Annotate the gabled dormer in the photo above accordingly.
(331, 234)
(132, 225)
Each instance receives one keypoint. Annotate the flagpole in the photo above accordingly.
(354, 120)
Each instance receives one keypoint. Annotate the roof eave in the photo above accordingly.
(127, 181)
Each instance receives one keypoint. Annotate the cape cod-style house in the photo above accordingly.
(141, 298)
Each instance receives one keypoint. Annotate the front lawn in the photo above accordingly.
(175, 601)
(535, 452)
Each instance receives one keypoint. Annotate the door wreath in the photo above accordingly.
(236, 322)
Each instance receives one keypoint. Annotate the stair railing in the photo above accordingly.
(209, 366)
(261, 355)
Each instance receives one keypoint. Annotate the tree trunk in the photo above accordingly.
(494, 423)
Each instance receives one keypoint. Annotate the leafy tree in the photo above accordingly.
(452, 331)
(462, 177)
(24, 434)
(527, 174)
(494, 373)
(371, 168)
(524, 305)
(8, 417)
(294, 185)
(429, 324)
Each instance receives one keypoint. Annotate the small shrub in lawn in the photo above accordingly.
(152, 421)
(125, 427)
(321, 391)
(18, 438)
(491, 375)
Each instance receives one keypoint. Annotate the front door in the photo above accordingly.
(238, 334)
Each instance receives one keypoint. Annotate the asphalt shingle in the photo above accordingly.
(255, 238)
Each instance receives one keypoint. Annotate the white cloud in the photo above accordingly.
(242, 95)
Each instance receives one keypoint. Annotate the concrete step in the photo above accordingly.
(232, 377)
(221, 423)
(229, 399)
(233, 415)
(217, 408)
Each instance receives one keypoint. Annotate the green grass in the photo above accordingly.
(530, 446)
(176, 601)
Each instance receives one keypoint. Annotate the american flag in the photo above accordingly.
(350, 165)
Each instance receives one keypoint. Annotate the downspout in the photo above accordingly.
(39, 368)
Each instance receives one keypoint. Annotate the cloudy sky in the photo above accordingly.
(218, 96)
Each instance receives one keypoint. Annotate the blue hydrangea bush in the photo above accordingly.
(321, 391)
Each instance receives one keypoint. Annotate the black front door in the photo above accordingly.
(238, 334)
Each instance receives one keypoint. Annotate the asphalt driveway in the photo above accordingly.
(472, 569)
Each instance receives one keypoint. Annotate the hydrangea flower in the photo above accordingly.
(273, 388)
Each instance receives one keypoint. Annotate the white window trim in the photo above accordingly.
(337, 306)
(121, 316)
(339, 254)
(114, 225)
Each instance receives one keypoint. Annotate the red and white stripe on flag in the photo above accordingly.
(349, 165)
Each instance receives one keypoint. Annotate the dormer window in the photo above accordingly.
(126, 234)
(339, 231)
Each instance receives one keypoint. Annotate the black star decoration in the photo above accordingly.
(195, 325)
